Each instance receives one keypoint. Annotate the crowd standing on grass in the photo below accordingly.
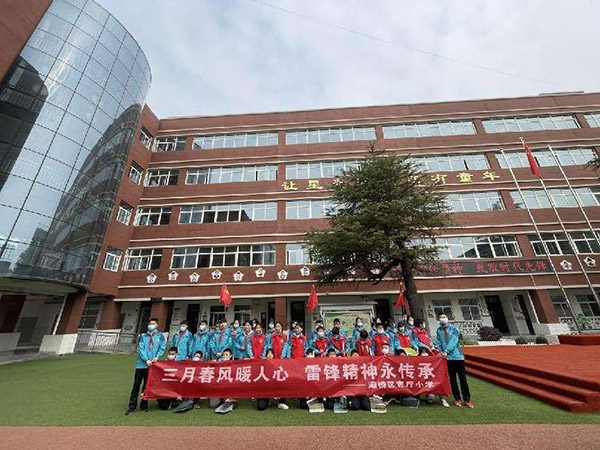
(250, 340)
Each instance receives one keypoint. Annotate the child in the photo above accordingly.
(379, 338)
(320, 343)
(403, 343)
(183, 341)
(296, 344)
(337, 341)
(448, 343)
(277, 341)
(200, 342)
(263, 403)
(197, 356)
(313, 335)
(337, 324)
(363, 345)
(229, 404)
(258, 342)
(243, 342)
(220, 341)
(172, 355)
(358, 326)
(421, 339)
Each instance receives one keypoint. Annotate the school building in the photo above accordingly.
(111, 215)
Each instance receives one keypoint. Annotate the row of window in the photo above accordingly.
(331, 169)
(558, 244)
(562, 197)
(367, 133)
(588, 304)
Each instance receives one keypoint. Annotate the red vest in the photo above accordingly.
(297, 346)
(363, 347)
(277, 343)
(339, 344)
(379, 340)
(404, 340)
(258, 344)
(321, 344)
(422, 336)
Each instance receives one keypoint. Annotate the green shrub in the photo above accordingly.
(489, 334)
(521, 340)
(541, 340)
(469, 342)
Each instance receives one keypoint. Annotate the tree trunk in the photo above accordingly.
(415, 303)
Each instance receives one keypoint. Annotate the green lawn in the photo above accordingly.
(86, 389)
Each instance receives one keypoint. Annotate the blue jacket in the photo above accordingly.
(149, 352)
(200, 342)
(219, 342)
(184, 344)
(447, 342)
(244, 341)
(356, 333)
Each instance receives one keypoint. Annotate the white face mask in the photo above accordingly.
(196, 358)
(171, 357)
(359, 324)
(151, 328)
(236, 325)
(310, 355)
(202, 327)
(320, 334)
(411, 322)
(444, 321)
(183, 328)
(385, 351)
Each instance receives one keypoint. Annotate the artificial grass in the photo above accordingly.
(93, 389)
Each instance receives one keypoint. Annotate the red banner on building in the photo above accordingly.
(297, 378)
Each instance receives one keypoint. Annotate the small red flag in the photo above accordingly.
(225, 296)
(533, 165)
(313, 299)
(401, 300)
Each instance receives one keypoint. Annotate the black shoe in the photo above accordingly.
(129, 411)
(145, 410)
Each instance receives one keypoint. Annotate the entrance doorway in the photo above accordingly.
(143, 318)
(297, 312)
(382, 309)
(523, 306)
(193, 311)
(494, 306)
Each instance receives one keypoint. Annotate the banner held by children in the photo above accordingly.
(299, 378)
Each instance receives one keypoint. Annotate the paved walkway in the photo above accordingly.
(423, 437)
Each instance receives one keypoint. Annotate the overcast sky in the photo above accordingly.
(237, 56)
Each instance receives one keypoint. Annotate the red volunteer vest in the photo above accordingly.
(258, 344)
(321, 344)
(277, 343)
(379, 340)
(404, 340)
(364, 347)
(298, 346)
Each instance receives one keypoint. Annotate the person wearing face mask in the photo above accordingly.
(421, 339)
(379, 338)
(243, 343)
(448, 344)
(313, 335)
(363, 345)
(271, 327)
(337, 324)
(338, 342)
(220, 341)
(201, 339)
(296, 345)
(151, 346)
(320, 342)
(358, 326)
(403, 344)
(258, 341)
(374, 324)
(172, 354)
(277, 341)
(183, 340)
(235, 330)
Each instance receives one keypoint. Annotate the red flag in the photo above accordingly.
(533, 165)
(401, 300)
(313, 299)
(225, 296)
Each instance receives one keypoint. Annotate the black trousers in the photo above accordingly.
(139, 379)
(263, 403)
(356, 403)
(457, 369)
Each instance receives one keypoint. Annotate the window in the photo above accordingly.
(124, 213)
(142, 259)
(242, 313)
(366, 133)
(112, 259)
(135, 173)
(531, 123)
(223, 256)
(449, 163)
(557, 244)
(296, 254)
(443, 307)
(156, 215)
(428, 129)
(476, 247)
(231, 174)
(588, 304)
(322, 169)
(217, 314)
(475, 201)
(169, 144)
(593, 119)
(162, 177)
(146, 138)
(235, 140)
(308, 209)
(90, 314)
(563, 198)
(585, 241)
(560, 306)
(544, 158)
(228, 212)
(470, 308)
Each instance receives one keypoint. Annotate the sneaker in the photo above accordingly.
(469, 404)
(429, 398)
(444, 403)
(283, 406)
(457, 403)
(129, 411)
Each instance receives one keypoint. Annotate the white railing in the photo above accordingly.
(468, 326)
(591, 323)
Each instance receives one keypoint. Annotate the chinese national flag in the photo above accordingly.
(533, 165)
(313, 299)
(225, 296)
(401, 300)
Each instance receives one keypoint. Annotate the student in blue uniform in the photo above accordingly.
(220, 341)
(243, 343)
(183, 340)
(201, 340)
(151, 346)
(313, 335)
(358, 326)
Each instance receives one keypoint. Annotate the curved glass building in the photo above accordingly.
(69, 109)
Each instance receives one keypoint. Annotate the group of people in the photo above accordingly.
(250, 340)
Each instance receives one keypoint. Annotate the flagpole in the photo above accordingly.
(544, 244)
(587, 219)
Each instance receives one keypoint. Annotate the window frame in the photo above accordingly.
(128, 210)
(429, 129)
(112, 259)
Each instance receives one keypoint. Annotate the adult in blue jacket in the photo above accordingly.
(448, 344)
(183, 340)
(220, 340)
(151, 346)
(201, 341)
(242, 347)
(358, 325)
